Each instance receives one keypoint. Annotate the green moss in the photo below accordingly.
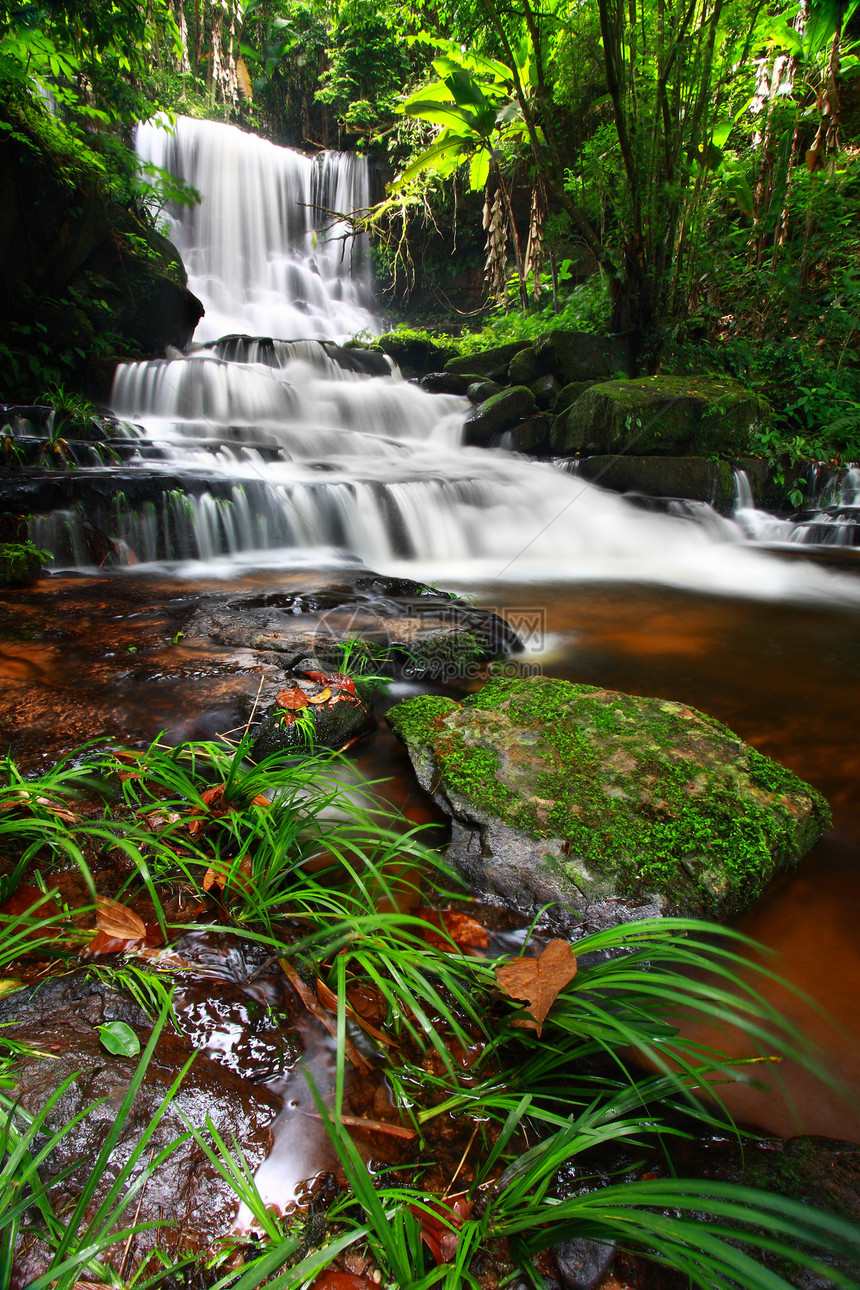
(638, 791)
(20, 563)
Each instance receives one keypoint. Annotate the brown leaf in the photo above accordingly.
(225, 875)
(373, 1126)
(322, 697)
(538, 981)
(337, 680)
(293, 699)
(440, 1240)
(463, 930)
(328, 1280)
(317, 1010)
(118, 920)
(328, 999)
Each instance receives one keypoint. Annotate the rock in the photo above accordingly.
(444, 383)
(530, 436)
(582, 1263)
(335, 723)
(605, 802)
(582, 356)
(414, 353)
(524, 367)
(546, 390)
(480, 391)
(492, 363)
(498, 413)
(674, 415)
(20, 564)
(569, 394)
(691, 477)
(60, 1018)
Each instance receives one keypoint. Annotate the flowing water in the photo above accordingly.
(276, 450)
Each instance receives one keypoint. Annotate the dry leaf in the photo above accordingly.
(463, 930)
(322, 697)
(440, 1240)
(118, 920)
(226, 875)
(317, 1010)
(328, 999)
(328, 1280)
(373, 1126)
(538, 981)
(337, 680)
(9, 986)
(293, 699)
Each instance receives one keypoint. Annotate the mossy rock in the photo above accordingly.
(491, 364)
(499, 413)
(583, 356)
(21, 564)
(609, 804)
(701, 479)
(672, 415)
(414, 352)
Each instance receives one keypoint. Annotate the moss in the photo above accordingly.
(20, 563)
(652, 795)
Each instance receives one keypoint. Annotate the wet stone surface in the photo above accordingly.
(235, 1018)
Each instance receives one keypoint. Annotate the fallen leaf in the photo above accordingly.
(322, 697)
(119, 1038)
(338, 680)
(313, 1005)
(373, 1126)
(23, 902)
(466, 932)
(328, 999)
(227, 875)
(437, 1235)
(538, 981)
(9, 986)
(118, 920)
(293, 699)
(328, 1280)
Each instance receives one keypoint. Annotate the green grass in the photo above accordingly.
(307, 869)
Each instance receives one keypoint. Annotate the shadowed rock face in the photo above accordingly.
(613, 806)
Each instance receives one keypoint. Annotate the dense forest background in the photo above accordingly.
(681, 171)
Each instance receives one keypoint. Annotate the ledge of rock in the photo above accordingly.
(698, 478)
(608, 805)
(672, 415)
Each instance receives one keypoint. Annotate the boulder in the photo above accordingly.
(492, 364)
(546, 390)
(524, 367)
(606, 805)
(481, 390)
(334, 723)
(698, 478)
(414, 352)
(20, 564)
(498, 413)
(569, 394)
(444, 383)
(582, 356)
(530, 436)
(672, 415)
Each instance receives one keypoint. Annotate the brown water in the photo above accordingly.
(82, 657)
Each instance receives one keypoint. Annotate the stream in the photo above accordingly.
(270, 457)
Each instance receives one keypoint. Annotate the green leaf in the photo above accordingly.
(119, 1039)
(479, 170)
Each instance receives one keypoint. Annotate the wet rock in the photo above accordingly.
(672, 415)
(581, 356)
(492, 364)
(606, 803)
(480, 391)
(582, 1263)
(546, 390)
(336, 723)
(498, 413)
(444, 383)
(698, 478)
(530, 436)
(59, 1019)
(413, 353)
(524, 367)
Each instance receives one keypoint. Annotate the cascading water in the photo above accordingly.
(287, 451)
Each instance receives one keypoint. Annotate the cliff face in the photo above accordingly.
(84, 281)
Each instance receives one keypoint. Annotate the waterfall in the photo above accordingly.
(260, 249)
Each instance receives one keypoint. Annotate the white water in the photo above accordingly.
(301, 459)
(259, 249)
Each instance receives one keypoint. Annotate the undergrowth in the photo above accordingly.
(291, 855)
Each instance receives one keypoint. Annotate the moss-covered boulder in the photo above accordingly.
(20, 563)
(607, 805)
(583, 356)
(674, 415)
(500, 412)
(492, 364)
(414, 352)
